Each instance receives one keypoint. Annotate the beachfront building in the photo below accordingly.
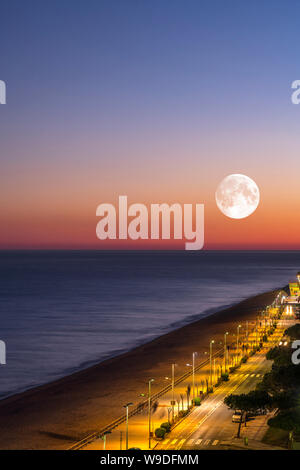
(295, 286)
(293, 300)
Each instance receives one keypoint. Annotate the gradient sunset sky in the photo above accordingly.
(158, 100)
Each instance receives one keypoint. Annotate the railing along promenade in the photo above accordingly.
(109, 427)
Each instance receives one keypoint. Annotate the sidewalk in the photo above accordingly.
(238, 444)
(257, 427)
(254, 431)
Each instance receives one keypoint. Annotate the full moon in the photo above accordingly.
(237, 196)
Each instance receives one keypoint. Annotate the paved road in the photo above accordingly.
(207, 426)
(211, 424)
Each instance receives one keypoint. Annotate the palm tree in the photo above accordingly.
(182, 398)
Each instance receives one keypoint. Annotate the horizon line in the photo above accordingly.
(151, 249)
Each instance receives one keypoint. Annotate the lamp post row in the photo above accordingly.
(193, 381)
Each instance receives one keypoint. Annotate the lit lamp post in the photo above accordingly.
(210, 360)
(172, 387)
(256, 333)
(149, 410)
(214, 371)
(169, 411)
(237, 341)
(193, 369)
(173, 383)
(104, 438)
(225, 351)
(127, 406)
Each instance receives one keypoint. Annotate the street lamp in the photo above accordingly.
(149, 410)
(172, 387)
(127, 406)
(225, 351)
(104, 438)
(256, 333)
(237, 340)
(214, 371)
(210, 360)
(169, 411)
(193, 366)
(173, 383)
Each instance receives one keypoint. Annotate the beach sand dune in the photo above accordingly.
(55, 415)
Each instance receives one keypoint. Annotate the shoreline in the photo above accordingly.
(118, 352)
(56, 414)
(192, 318)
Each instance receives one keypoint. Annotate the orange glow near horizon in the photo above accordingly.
(68, 222)
(54, 205)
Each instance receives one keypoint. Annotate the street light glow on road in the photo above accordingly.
(208, 373)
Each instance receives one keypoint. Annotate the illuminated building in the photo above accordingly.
(295, 286)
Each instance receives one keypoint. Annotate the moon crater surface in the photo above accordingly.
(237, 196)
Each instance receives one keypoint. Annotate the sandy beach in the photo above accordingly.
(56, 415)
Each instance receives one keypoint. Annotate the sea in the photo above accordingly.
(63, 311)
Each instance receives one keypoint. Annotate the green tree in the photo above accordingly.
(166, 426)
(284, 400)
(280, 355)
(254, 402)
(160, 433)
(293, 332)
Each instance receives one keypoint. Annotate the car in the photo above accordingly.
(237, 416)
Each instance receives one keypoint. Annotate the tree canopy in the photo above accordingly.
(293, 332)
(254, 401)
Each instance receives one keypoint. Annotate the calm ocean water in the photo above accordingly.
(64, 310)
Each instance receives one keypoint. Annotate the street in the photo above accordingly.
(207, 426)
(210, 425)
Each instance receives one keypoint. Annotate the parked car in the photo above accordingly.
(238, 417)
